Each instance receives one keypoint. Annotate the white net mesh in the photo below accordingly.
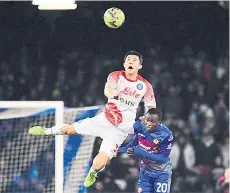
(27, 163)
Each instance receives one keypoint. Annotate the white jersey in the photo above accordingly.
(122, 112)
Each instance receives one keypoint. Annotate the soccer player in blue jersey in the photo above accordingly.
(152, 144)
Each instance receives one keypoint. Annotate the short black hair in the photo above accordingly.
(155, 111)
(134, 53)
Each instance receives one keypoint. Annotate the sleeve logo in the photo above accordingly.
(109, 79)
(169, 146)
(170, 138)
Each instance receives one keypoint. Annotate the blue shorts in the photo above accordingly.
(157, 182)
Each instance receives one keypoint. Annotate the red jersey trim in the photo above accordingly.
(123, 74)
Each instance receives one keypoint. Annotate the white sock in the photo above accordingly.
(55, 130)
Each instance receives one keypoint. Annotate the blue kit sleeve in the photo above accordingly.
(132, 143)
(138, 152)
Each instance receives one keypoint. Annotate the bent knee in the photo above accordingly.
(68, 130)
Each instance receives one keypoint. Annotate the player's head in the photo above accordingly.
(133, 62)
(152, 119)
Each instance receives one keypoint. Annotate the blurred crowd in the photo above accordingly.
(67, 56)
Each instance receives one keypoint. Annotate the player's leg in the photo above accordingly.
(162, 183)
(145, 183)
(84, 127)
(112, 139)
(99, 163)
(55, 130)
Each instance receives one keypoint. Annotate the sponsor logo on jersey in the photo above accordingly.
(170, 138)
(156, 141)
(139, 86)
(130, 92)
(127, 102)
(144, 147)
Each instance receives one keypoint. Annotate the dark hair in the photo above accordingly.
(134, 53)
(155, 111)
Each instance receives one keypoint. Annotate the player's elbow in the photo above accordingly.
(107, 92)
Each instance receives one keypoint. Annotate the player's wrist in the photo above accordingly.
(109, 95)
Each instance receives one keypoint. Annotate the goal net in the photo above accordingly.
(27, 163)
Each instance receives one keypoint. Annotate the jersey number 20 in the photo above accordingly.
(162, 187)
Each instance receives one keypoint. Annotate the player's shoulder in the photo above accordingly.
(142, 79)
(114, 76)
(137, 123)
(116, 73)
(166, 132)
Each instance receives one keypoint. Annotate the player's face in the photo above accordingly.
(132, 64)
(151, 122)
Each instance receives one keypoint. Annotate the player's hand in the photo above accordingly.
(142, 118)
(130, 151)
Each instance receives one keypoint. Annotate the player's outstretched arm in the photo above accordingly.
(138, 152)
(132, 143)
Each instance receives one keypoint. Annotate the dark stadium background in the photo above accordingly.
(67, 55)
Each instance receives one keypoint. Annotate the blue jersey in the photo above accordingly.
(157, 142)
(152, 147)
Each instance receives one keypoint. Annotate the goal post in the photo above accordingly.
(59, 141)
(26, 162)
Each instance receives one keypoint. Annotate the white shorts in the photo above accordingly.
(99, 126)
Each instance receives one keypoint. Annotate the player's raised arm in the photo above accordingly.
(149, 97)
(109, 90)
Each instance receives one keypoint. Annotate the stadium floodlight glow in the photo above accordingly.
(42, 2)
(55, 4)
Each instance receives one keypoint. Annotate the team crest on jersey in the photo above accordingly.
(139, 190)
(139, 86)
(156, 141)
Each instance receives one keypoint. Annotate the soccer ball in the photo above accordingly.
(114, 17)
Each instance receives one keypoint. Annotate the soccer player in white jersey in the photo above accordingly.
(124, 90)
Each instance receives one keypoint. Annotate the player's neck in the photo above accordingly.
(132, 77)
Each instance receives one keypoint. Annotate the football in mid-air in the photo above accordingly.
(114, 17)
